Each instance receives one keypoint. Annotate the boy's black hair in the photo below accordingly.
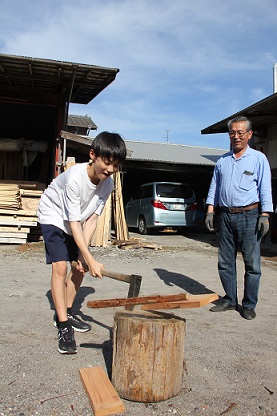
(109, 146)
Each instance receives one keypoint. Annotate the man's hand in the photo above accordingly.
(209, 221)
(263, 224)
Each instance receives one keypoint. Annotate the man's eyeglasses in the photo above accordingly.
(240, 133)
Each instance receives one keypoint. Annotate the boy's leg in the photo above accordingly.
(73, 283)
(58, 289)
(57, 255)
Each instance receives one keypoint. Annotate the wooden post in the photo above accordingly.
(148, 355)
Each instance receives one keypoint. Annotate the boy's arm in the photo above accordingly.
(89, 228)
(82, 238)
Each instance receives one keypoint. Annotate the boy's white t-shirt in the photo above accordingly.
(71, 196)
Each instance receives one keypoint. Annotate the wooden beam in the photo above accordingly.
(107, 303)
(102, 395)
(193, 301)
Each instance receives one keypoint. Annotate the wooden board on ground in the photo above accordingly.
(102, 395)
(193, 301)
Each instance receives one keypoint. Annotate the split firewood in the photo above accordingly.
(192, 301)
(107, 303)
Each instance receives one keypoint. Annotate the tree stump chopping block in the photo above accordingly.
(148, 355)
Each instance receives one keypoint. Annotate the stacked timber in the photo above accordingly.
(18, 212)
(120, 226)
(102, 233)
(113, 212)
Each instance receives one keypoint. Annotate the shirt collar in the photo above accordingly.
(246, 153)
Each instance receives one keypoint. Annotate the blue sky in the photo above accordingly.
(184, 64)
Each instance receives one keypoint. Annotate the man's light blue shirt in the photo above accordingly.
(241, 182)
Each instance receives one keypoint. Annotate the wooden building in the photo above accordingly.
(35, 95)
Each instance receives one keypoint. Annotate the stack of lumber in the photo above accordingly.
(102, 233)
(18, 212)
(113, 208)
(9, 196)
(120, 226)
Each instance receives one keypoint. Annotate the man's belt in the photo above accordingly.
(236, 210)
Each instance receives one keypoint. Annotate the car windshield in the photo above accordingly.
(174, 191)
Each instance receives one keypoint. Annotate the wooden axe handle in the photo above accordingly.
(107, 273)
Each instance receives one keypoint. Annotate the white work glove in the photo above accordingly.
(263, 224)
(209, 221)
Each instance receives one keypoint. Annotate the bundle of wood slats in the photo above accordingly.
(18, 212)
(102, 233)
(9, 196)
(120, 226)
(113, 212)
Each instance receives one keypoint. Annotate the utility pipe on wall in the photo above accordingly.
(275, 78)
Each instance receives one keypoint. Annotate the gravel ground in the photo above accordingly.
(230, 362)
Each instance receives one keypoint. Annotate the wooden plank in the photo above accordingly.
(15, 229)
(30, 204)
(25, 221)
(194, 301)
(14, 234)
(31, 192)
(12, 240)
(107, 303)
(23, 184)
(18, 212)
(102, 395)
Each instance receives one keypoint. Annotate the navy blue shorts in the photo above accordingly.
(59, 246)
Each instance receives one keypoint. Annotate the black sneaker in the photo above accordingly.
(75, 322)
(67, 344)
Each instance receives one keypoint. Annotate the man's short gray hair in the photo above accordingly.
(239, 119)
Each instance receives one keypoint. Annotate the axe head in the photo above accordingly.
(134, 288)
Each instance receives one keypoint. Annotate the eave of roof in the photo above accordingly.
(262, 113)
(81, 121)
(21, 73)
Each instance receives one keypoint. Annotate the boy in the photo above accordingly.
(68, 212)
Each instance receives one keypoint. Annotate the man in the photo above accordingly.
(68, 212)
(241, 186)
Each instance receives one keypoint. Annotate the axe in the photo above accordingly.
(134, 281)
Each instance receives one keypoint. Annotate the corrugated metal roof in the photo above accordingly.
(23, 73)
(173, 153)
(81, 121)
(159, 152)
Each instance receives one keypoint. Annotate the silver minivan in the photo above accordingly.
(158, 205)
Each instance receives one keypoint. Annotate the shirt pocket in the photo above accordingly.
(247, 181)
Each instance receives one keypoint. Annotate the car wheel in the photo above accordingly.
(142, 229)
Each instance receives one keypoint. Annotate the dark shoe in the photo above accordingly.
(222, 307)
(248, 313)
(67, 344)
(75, 322)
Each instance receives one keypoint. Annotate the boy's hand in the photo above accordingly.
(95, 268)
(80, 266)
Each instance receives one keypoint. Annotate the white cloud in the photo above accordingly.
(183, 64)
